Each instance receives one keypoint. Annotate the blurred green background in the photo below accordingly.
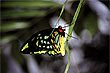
(21, 19)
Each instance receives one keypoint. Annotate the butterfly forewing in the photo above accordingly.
(42, 43)
(38, 42)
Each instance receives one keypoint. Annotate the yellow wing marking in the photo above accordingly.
(37, 43)
(33, 38)
(52, 36)
(40, 52)
(56, 49)
(26, 46)
(55, 33)
(62, 45)
(52, 41)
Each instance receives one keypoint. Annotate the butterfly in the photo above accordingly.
(49, 41)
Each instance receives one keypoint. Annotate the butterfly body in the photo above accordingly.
(44, 42)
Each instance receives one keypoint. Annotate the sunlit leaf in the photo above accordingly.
(29, 4)
(13, 26)
(21, 13)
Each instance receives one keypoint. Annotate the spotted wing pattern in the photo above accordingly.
(42, 43)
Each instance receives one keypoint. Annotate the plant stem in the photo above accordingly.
(74, 19)
(69, 56)
(69, 33)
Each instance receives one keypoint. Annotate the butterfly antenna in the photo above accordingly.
(65, 26)
(72, 36)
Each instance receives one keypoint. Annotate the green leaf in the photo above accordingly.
(13, 26)
(91, 23)
(29, 4)
(21, 13)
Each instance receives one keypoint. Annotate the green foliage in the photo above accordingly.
(69, 57)
(13, 26)
(91, 23)
(74, 19)
(17, 13)
(69, 33)
(22, 13)
(26, 4)
(63, 7)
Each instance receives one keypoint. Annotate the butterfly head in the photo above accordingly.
(61, 31)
